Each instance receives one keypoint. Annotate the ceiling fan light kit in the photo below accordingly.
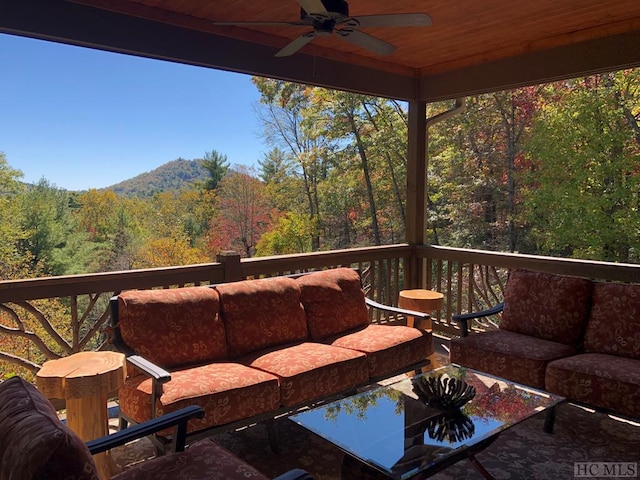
(326, 17)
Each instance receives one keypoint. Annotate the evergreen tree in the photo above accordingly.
(217, 165)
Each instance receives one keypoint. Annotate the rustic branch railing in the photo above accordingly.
(46, 318)
(473, 280)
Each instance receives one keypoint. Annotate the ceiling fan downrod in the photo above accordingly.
(339, 7)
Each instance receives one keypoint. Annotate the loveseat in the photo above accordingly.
(571, 336)
(250, 350)
(36, 445)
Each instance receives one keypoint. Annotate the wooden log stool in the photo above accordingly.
(426, 301)
(85, 380)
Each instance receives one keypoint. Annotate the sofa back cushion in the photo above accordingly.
(614, 323)
(173, 327)
(259, 314)
(333, 302)
(547, 306)
(34, 444)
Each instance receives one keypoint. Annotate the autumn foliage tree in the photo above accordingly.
(285, 113)
(243, 213)
(14, 261)
(584, 186)
(474, 162)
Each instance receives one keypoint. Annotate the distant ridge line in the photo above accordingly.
(172, 176)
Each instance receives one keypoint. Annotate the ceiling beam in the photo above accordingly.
(67, 22)
(585, 58)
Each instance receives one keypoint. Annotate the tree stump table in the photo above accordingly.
(425, 301)
(85, 380)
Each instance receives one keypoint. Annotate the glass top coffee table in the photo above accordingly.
(395, 435)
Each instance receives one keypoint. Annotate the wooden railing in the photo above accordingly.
(382, 268)
(46, 318)
(473, 280)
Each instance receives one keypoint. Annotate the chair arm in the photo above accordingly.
(176, 419)
(464, 318)
(401, 311)
(295, 474)
(152, 370)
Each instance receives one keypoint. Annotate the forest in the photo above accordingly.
(550, 169)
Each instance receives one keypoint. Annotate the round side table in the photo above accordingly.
(425, 301)
(85, 380)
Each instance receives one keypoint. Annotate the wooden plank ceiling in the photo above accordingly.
(472, 45)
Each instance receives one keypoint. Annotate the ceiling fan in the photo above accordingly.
(332, 16)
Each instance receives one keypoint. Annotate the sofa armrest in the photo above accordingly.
(401, 311)
(295, 474)
(158, 375)
(150, 369)
(176, 419)
(464, 318)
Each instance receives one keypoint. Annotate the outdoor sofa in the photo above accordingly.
(571, 336)
(251, 350)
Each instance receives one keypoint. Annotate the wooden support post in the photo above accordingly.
(416, 186)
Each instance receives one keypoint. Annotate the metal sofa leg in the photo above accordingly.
(549, 419)
(427, 365)
(273, 435)
(122, 423)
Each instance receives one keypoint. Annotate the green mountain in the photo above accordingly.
(171, 176)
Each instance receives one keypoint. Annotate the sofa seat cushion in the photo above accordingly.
(614, 322)
(173, 327)
(388, 348)
(226, 391)
(34, 444)
(606, 381)
(204, 459)
(310, 371)
(333, 302)
(259, 314)
(546, 306)
(519, 358)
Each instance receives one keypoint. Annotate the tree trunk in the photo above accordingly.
(367, 178)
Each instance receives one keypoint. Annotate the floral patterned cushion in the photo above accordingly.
(606, 381)
(311, 371)
(261, 313)
(202, 460)
(614, 323)
(226, 391)
(388, 348)
(516, 357)
(34, 444)
(173, 327)
(546, 306)
(333, 302)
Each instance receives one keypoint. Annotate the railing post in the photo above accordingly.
(231, 262)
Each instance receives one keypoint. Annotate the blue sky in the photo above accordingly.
(84, 118)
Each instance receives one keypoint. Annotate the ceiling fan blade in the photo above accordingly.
(296, 45)
(313, 6)
(262, 24)
(395, 20)
(367, 41)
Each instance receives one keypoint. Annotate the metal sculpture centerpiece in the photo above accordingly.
(443, 392)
